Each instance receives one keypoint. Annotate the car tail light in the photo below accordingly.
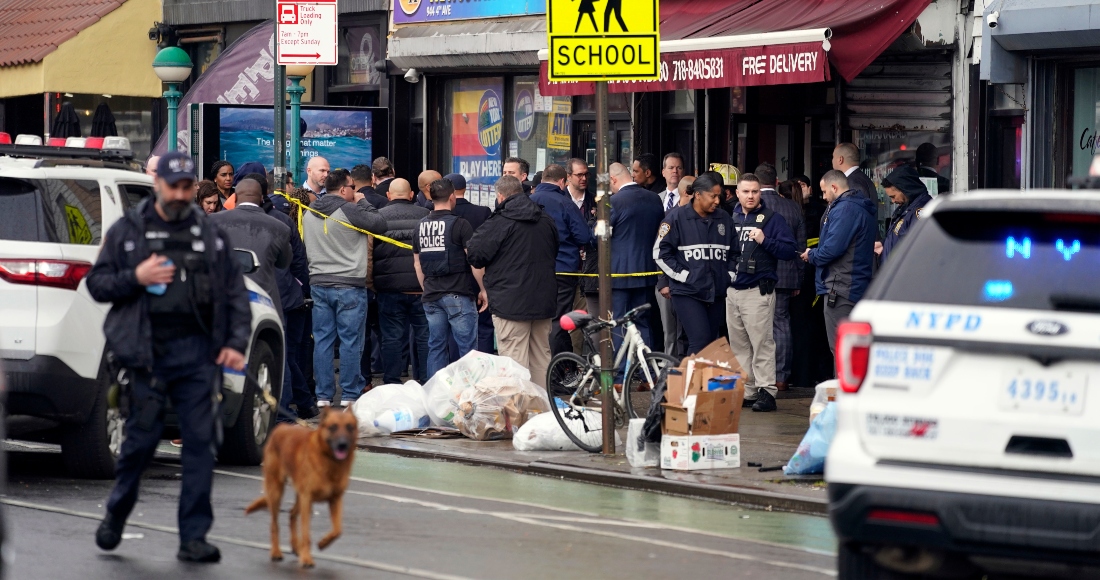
(881, 516)
(853, 354)
(53, 273)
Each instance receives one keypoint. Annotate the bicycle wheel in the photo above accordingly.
(573, 385)
(638, 388)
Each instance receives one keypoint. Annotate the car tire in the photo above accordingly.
(244, 441)
(854, 564)
(89, 450)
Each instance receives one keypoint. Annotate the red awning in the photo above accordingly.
(861, 30)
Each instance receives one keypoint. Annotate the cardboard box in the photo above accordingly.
(717, 357)
(695, 452)
(717, 412)
(676, 420)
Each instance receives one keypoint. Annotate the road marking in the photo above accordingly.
(652, 525)
(372, 564)
(527, 519)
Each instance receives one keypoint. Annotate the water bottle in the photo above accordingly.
(399, 419)
(158, 289)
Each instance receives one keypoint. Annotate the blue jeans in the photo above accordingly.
(450, 315)
(338, 311)
(396, 312)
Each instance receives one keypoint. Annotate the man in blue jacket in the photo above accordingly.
(763, 239)
(845, 252)
(573, 235)
(908, 192)
(636, 215)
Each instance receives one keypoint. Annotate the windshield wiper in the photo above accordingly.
(1075, 302)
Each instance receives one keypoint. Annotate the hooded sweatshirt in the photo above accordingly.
(338, 254)
(846, 250)
(907, 180)
(518, 246)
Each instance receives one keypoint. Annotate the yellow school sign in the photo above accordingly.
(603, 40)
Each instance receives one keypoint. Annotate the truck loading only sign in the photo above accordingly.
(307, 32)
(617, 41)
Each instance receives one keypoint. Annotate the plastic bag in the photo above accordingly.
(809, 458)
(823, 394)
(543, 433)
(498, 406)
(639, 452)
(393, 408)
(443, 389)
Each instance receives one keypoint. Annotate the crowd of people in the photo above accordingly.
(404, 281)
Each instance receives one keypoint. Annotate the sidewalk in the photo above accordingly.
(766, 438)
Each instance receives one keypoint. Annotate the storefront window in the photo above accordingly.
(360, 49)
(1086, 120)
(616, 103)
(133, 118)
(928, 152)
(472, 132)
(541, 128)
(680, 102)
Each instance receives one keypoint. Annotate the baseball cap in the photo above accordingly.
(456, 180)
(176, 166)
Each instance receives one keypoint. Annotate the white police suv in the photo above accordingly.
(56, 204)
(968, 430)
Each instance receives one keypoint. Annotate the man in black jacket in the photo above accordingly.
(363, 178)
(846, 160)
(394, 279)
(517, 246)
(179, 313)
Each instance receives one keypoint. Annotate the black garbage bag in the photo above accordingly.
(651, 431)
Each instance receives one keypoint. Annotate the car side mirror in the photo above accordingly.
(247, 260)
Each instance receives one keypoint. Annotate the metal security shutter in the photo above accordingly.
(901, 93)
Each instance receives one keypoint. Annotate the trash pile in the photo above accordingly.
(485, 397)
(809, 458)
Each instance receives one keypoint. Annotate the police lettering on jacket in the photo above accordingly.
(439, 255)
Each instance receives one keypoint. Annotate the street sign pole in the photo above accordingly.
(280, 128)
(603, 240)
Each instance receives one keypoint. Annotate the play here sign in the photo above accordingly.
(603, 40)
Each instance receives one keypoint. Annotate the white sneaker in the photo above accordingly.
(324, 404)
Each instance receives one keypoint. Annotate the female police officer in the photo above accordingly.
(693, 246)
(172, 326)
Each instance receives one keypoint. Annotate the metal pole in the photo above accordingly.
(603, 237)
(172, 96)
(296, 91)
(280, 128)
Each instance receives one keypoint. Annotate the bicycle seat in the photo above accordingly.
(573, 320)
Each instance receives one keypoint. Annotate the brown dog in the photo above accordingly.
(318, 461)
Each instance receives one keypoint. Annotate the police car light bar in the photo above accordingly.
(75, 142)
(116, 144)
(28, 140)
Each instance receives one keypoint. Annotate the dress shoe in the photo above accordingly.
(765, 402)
(308, 413)
(109, 534)
(782, 386)
(198, 551)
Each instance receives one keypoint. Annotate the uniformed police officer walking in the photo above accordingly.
(179, 313)
(905, 188)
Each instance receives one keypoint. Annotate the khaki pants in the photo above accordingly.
(749, 318)
(527, 342)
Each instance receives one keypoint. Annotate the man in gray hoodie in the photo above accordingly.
(338, 282)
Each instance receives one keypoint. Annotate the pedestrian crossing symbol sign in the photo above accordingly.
(603, 40)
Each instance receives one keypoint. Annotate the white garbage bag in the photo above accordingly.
(443, 388)
(543, 433)
(641, 453)
(388, 408)
(496, 407)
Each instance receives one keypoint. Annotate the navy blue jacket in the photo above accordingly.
(573, 233)
(778, 242)
(904, 218)
(293, 282)
(845, 254)
(471, 212)
(694, 251)
(636, 215)
(128, 329)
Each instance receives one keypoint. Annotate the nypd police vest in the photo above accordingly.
(191, 292)
(762, 261)
(439, 255)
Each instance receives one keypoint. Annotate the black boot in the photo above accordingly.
(765, 402)
(198, 551)
(109, 534)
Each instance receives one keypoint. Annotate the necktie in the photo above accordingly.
(671, 196)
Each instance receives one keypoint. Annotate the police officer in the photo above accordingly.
(179, 313)
(692, 248)
(908, 192)
(763, 238)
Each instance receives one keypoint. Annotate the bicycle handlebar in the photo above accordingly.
(597, 325)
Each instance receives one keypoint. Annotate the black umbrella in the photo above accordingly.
(66, 124)
(103, 122)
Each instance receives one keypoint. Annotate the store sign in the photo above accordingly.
(622, 43)
(421, 11)
(307, 33)
(560, 125)
(779, 64)
(525, 114)
(364, 52)
(477, 126)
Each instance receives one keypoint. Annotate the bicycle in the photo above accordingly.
(573, 381)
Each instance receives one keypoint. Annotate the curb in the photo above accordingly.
(756, 498)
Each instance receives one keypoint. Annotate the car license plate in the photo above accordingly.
(1044, 392)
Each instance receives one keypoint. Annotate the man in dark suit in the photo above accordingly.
(249, 228)
(475, 214)
(646, 173)
(846, 159)
(363, 179)
(636, 215)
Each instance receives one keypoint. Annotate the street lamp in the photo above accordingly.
(296, 73)
(172, 66)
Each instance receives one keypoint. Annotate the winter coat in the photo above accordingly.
(573, 232)
(338, 254)
(845, 255)
(393, 269)
(790, 271)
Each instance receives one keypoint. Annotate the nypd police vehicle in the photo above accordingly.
(56, 203)
(968, 429)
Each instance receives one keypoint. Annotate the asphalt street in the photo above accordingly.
(409, 518)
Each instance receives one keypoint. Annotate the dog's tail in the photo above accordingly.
(259, 504)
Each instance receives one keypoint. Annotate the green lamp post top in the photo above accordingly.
(172, 64)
